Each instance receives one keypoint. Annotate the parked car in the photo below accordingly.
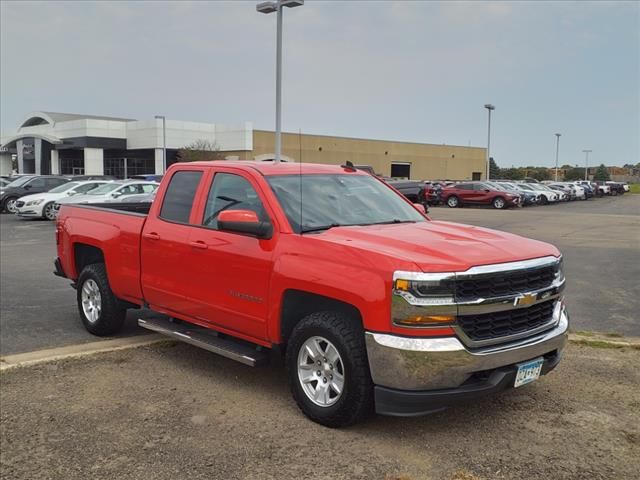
(4, 182)
(110, 192)
(41, 205)
(565, 191)
(478, 193)
(411, 189)
(26, 185)
(604, 189)
(92, 177)
(528, 197)
(617, 188)
(433, 192)
(400, 315)
(151, 177)
(503, 188)
(545, 195)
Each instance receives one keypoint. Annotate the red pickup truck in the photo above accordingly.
(374, 305)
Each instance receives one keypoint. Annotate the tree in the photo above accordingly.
(200, 150)
(540, 174)
(602, 174)
(511, 173)
(494, 169)
(574, 174)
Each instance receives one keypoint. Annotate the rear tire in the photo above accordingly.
(100, 310)
(453, 202)
(10, 205)
(337, 343)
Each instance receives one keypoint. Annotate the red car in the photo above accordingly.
(372, 304)
(478, 193)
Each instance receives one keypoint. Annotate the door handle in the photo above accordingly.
(199, 244)
(151, 236)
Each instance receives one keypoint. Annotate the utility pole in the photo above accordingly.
(557, 151)
(489, 108)
(586, 164)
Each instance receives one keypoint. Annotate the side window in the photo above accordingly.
(85, 188)
(465, 186)
(479, 186)
(231, 192)
(129, 190)
(178, 199)
(38, 183)
(148, 188)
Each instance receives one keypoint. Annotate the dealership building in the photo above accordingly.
(74, 144)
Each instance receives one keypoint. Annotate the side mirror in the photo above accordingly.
(116, 194)
(487, 190)
(28, 187)
(244, 221)
(420, 207)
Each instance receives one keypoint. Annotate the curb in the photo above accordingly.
(10, 362)
(599, 341)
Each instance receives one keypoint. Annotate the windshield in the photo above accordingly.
(64, 187)
(106, 188)
(19, 181)
(339, 200)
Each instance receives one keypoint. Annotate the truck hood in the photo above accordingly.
(440, 246)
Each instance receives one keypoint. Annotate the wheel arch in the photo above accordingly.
(85, 254)
(297, 304)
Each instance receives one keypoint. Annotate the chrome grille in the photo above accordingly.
(504, 283)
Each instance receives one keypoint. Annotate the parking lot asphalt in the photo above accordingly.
(600, 240)
(178, 412)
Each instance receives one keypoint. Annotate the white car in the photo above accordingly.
(41, 205)
(580, 193)
(546, 194)
(111, 192)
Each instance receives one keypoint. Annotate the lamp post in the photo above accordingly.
(557, 151)
(586, 163)
(489, 108)
(270, 7)
(164, 142)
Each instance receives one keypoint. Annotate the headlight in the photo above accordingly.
(410, 296)
(34, 202)
(559, 272)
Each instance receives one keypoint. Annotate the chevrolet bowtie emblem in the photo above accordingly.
(521, 300)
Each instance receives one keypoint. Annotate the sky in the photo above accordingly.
(412, 71)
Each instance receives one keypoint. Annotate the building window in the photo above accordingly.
(400, 170)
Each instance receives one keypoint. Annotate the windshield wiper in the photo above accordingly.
(395, 220)
(321, 228)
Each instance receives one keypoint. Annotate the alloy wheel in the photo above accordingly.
(320, 371)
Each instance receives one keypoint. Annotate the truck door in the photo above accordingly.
(165, 249)
(230, 272)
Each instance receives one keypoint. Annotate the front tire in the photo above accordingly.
(499, 203)
(453, 202)
(48, 212)
(100, 310)
(328, 370)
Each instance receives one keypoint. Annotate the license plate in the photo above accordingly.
(528, 372)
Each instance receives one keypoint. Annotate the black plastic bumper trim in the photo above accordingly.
(58, 272)
(406, 403)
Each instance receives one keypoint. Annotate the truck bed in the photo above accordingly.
(114, 229)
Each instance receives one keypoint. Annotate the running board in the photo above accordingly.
(207, 340)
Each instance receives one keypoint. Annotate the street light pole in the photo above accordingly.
(270, 7)
(489, 108)
(586, 163)
(557, 151)
(164, 142)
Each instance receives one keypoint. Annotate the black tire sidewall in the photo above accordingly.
(6, 201)
(112, 315)
(346, 410)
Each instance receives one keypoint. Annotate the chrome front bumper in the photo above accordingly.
(418, 363)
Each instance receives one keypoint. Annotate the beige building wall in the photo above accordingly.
(427, 161)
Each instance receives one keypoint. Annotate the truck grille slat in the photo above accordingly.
(503, 284)
(500, 324)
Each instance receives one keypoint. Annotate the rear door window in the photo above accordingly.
(178, 199)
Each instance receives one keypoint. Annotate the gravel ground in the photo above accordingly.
(173, 412)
